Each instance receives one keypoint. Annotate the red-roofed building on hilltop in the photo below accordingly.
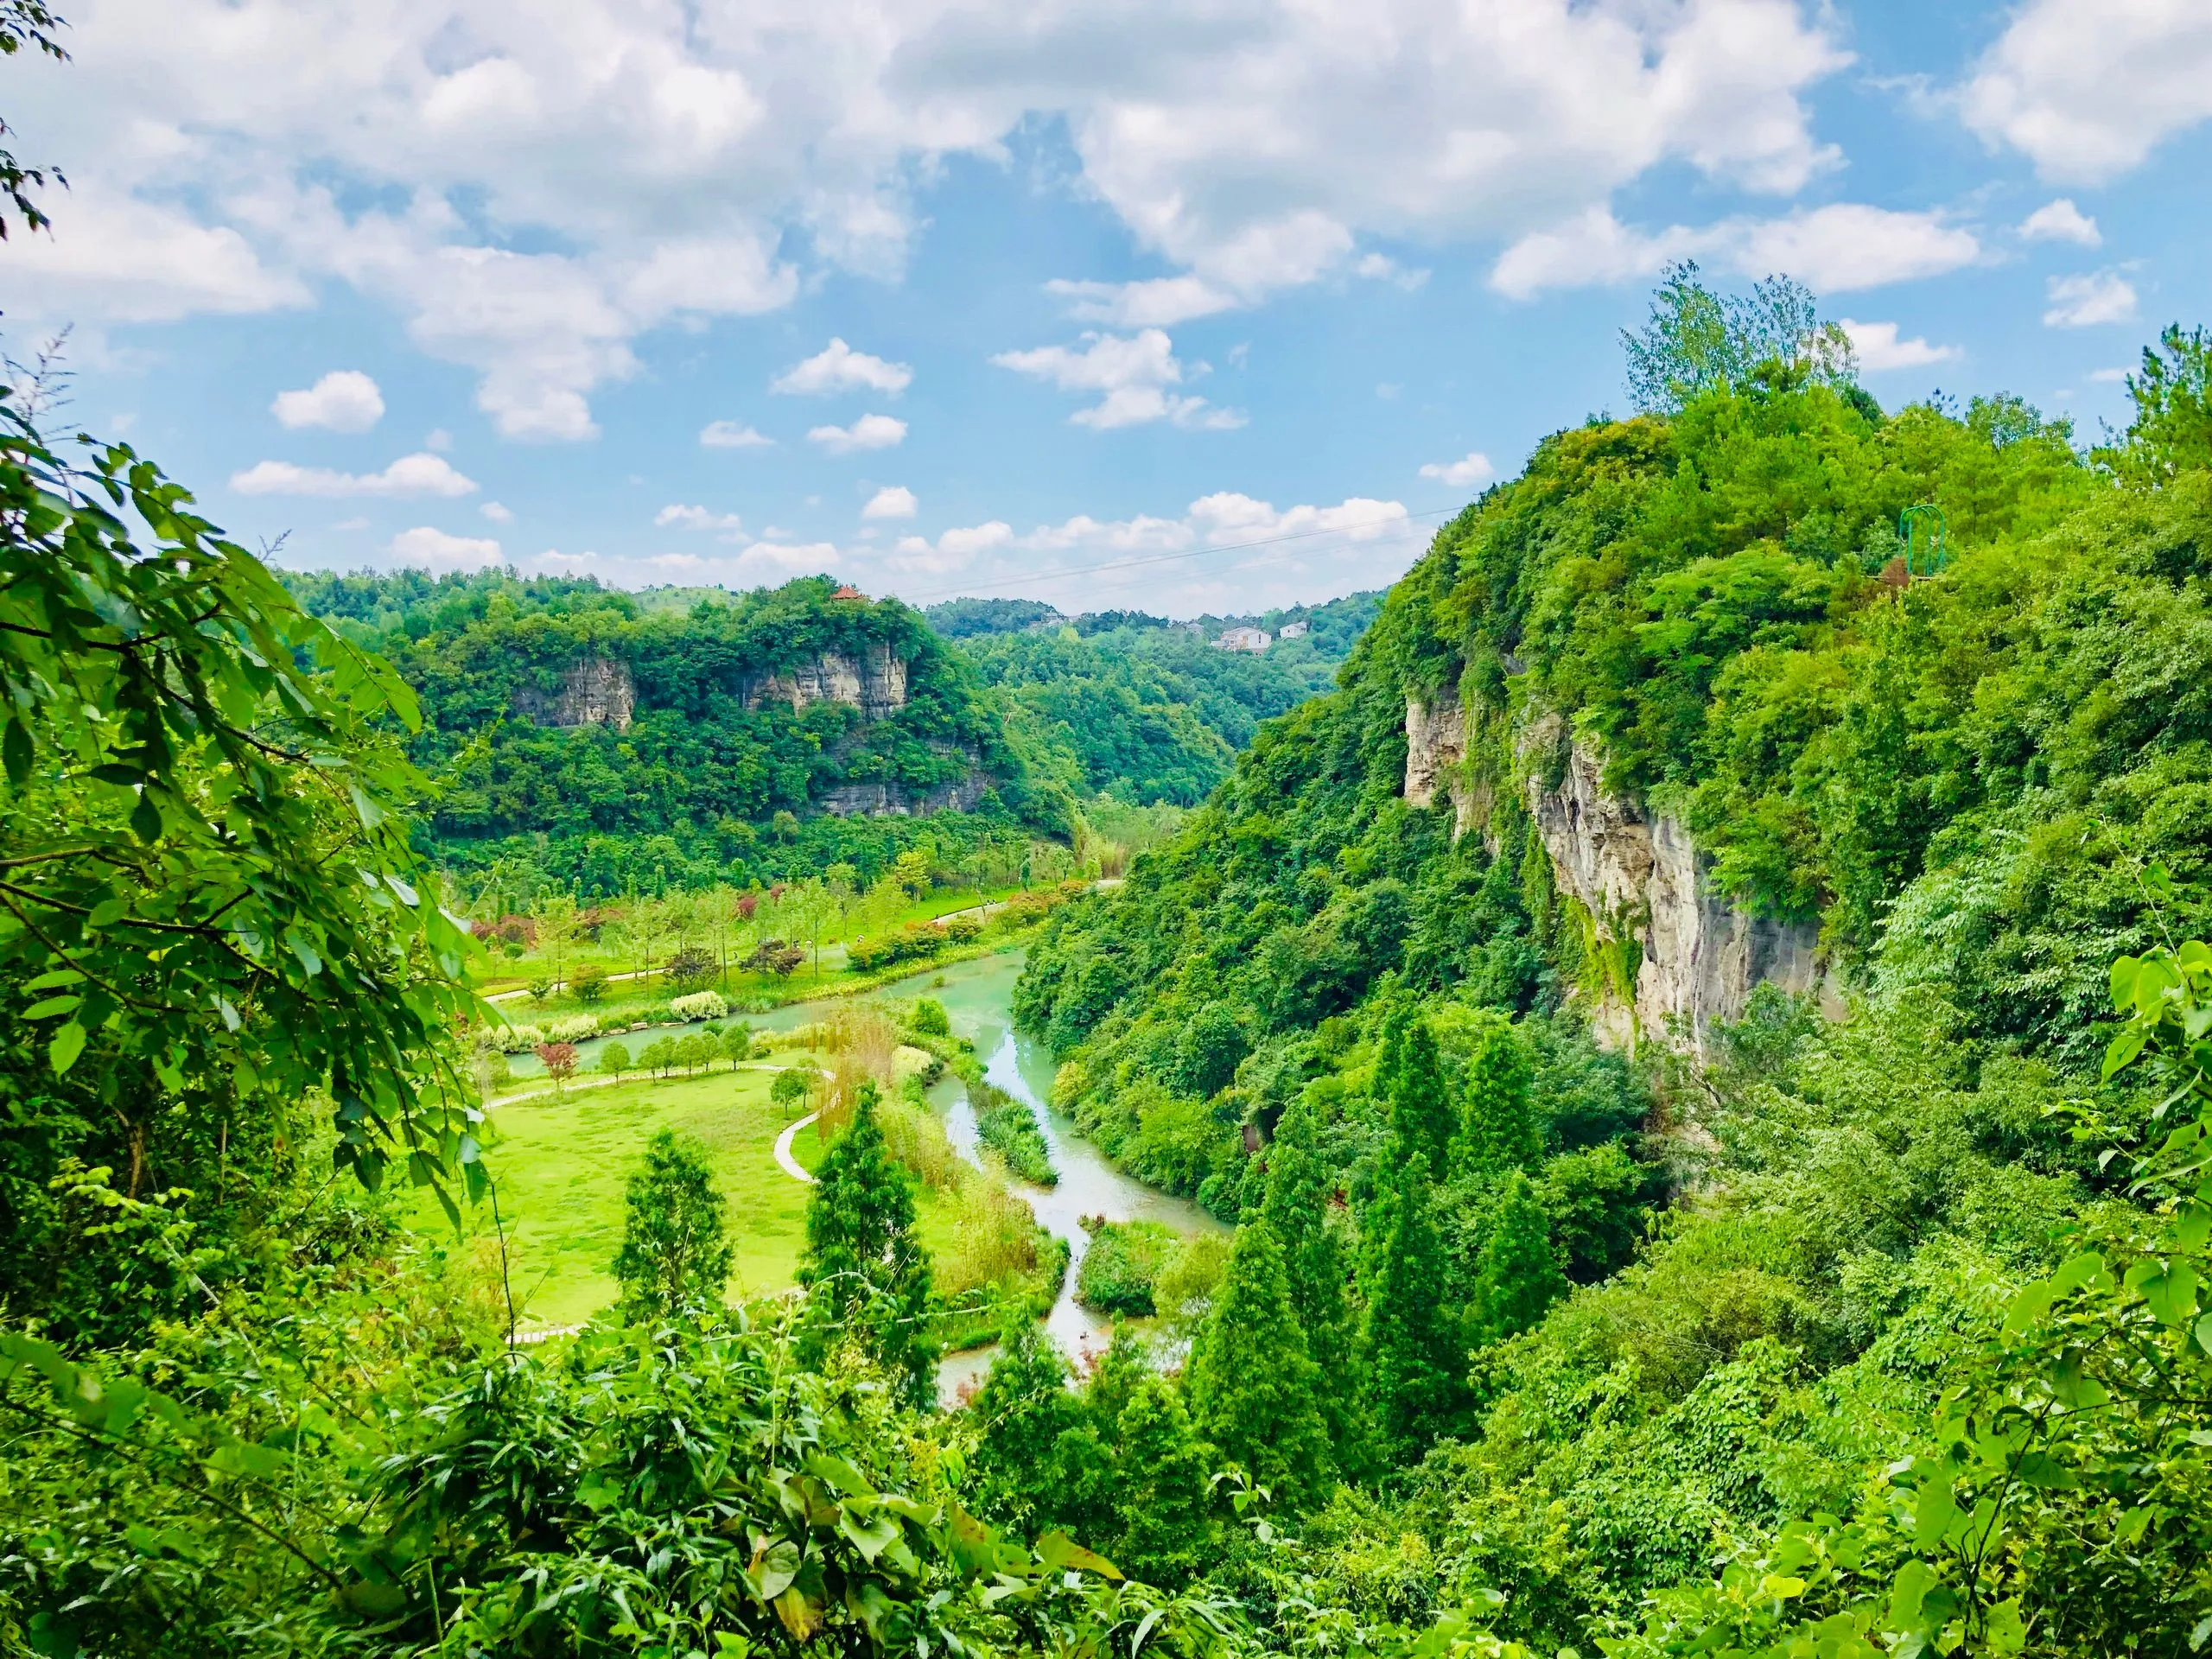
(851, 593)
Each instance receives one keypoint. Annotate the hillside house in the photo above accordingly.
(1244, 640)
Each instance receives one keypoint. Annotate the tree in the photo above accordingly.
(789, 1090)
(588, 983)
(212, 910)
(614, 1060)
(559, 1060)
(2171, 432)
(1296, 1207)
(1499, 1130)
(1160, 1474)
(1036, 1466)
(689, 969)
(865, 1271)
(1422, 1113)
(26, 24)
(674, 1257)
(1517, 1277)
(1251, 1382)
(1697, 341)
(737, 1045)
(1413, 1349)
(911, 871)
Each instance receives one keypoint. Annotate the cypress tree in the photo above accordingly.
(1517, 1277)
(1421, 1112)
(1296, 1206)
(674, 1255)
(1415, 1353)
(1029, 1418)
(1160, 1480)
(864, 1268)
(1499, 1129)
(1251, 1382)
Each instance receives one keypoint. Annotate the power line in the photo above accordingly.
(1187, 553)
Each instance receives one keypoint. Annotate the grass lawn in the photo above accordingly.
(562, 1166)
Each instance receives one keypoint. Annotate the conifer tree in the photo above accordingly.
(1499, 1130)
(865, 1271)
(1161, 1471)
(1413, 1350)
(1251, 1382)
(1297, 1207)
(674, 1256)
(1517, 1276)
(1031, 1424)
(1422, 1111)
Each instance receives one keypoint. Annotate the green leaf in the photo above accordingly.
(1934, 1513)
(51, 1006)
(2004, 1628)
(146, 820)
(46, 981)
(1057, 1550)
(16, 750)
(68, 1043)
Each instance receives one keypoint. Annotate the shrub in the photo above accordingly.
(774, 956)
(916, 942)
(915, 1137)
(688, 969)
(930, 1019)
(960, 929)
(515, 1039)
(1007, 1126)
(995, 1238)
(1122, 1265)
(700, 1005)
(588, 983)
(574, 1029)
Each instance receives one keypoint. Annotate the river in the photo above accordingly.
(978, 999)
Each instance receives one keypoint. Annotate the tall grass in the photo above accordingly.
(998, 1237)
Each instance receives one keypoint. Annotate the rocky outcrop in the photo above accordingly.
(882, 800)
(1436, 743)
(595, 691)
(1639, 876)
(874, 682)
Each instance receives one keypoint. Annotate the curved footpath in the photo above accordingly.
(783, 1149)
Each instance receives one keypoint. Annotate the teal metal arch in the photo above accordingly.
(1926, 537)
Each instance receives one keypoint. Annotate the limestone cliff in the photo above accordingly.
(882, 800)
(1639, 876)
(874, 682)
(595, 691)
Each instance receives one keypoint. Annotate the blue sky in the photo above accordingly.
(975, 295)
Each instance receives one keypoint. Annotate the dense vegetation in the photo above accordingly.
(1873, 1337)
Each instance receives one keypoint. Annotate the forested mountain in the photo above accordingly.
(691, 735)
(1826, 761)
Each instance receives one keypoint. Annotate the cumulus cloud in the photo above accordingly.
(696, 518)
(411, 475)
(646, 167)
(789, 557)
(1471, 468)
(1878, 347)
(1834, 248)
(345, 400)
(424, 545)
(498, 514)
(869, 432)
(2061, 221)
(2108, 377)
(1132, 372)
(838, 367)
(892, 501)
(1159, 301)
(2088, 92)
(732, 435)
(2085, 301)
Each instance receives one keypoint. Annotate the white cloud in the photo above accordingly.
(892, 501)
(1133, 372)
(696, 518)
(1159, 301)
(732, 435)
(345, 400)
(669, 152)
(838, 367)
(785, 556)
(497, 513)
(411, 475)
(1471, 468)
(869, 432)
(1834, 249)
(438, 439)
(1878, 347)
(2085, 301)
(2109, 376)
(2061, 221)
(424, 545)
(2087, 92)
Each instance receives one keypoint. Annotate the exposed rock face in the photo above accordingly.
(878, 800)
(876, 683)
(1702, 956)
(1436, 742)
(595, 691)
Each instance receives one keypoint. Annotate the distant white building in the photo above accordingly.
(1294, 630)
(1244, 640)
